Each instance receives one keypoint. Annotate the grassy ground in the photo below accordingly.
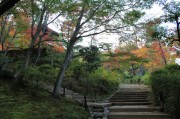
(34, 103)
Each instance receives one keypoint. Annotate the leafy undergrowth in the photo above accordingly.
(36, 104)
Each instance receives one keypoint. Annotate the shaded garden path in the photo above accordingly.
(132, 101)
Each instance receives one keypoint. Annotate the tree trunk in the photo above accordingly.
(31, 47)
(64, 91)
(28, 55)
(38, 55)
(3, 60)
(52, 57)
(85, 101)
(162, 53)
(74, 38)
(177, 26)
(57, 85)
(40, 39)
(27, 59)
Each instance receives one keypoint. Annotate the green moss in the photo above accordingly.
(28, 104)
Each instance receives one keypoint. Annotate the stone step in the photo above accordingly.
(133, 90)
(133, 96)
(131, 103)
(138, 108)
(129, 100)
(133, 93)
(119, 96)
(138, 115)
(129, 97)
(130, 92)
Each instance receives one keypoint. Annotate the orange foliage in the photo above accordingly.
(23, 30)
(118, 58)
(154, 55)
(141, 52)
(49, 40)
(116, 50)
(58, 48)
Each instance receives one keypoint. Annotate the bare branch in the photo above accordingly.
(102, 31)
(93, 13)
(104, 22)
(54, 18)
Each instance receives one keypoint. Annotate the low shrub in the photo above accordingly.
(165, 84)
(107, 81)
(44, 73)
(145, 79)
(136, 79)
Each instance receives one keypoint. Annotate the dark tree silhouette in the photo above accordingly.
(5, 5)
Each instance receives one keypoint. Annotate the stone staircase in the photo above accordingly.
(133, 102)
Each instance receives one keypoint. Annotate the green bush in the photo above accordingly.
(33, 73)
(48, 72)
(44, 73)
(76, 69)
(107, 81)
(136, 79)
(145, 79)
(10, 69)
(166, 88)
(98, 82)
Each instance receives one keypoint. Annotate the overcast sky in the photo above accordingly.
(154, 12)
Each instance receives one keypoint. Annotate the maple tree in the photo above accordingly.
(10, 33)
(153, 55)
(155, 32)
(125, 62)
(38, 14)
(132, 59)
(10, 27)
(94, 17)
